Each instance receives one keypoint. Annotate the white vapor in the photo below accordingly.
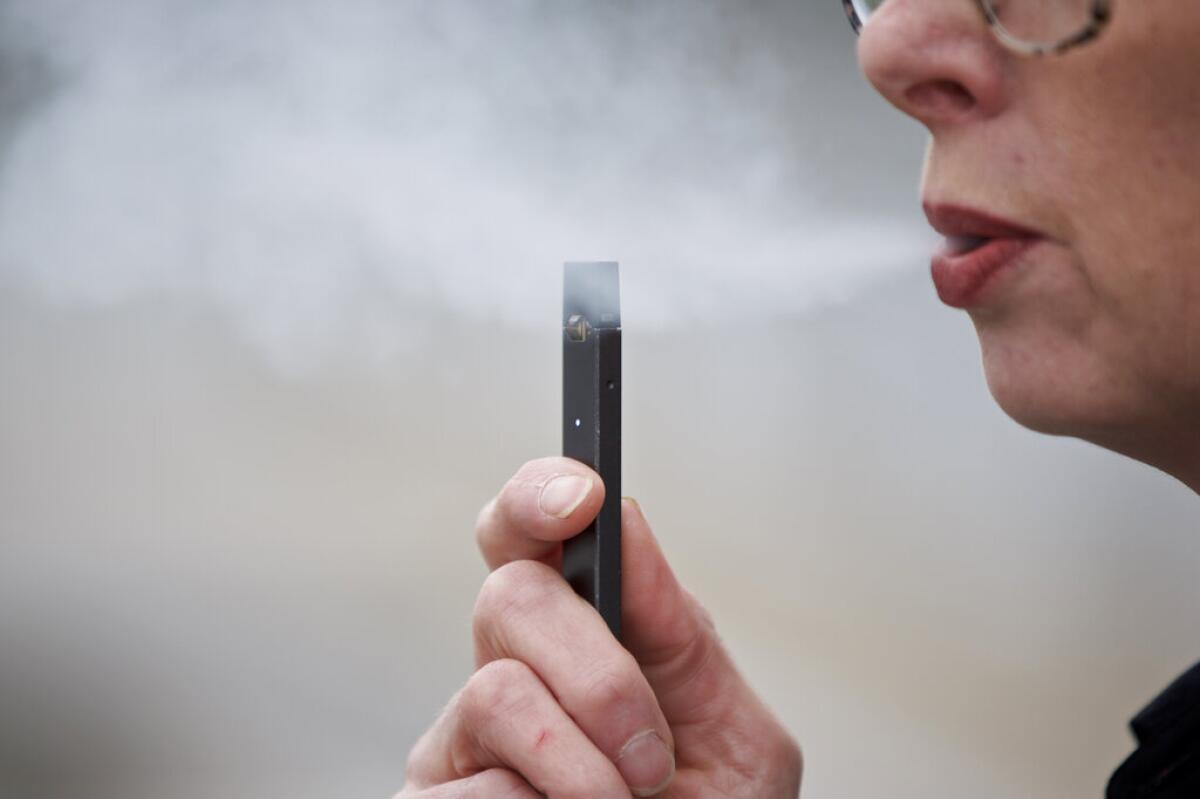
(328, 172)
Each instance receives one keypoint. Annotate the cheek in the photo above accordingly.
(1116, 332)
(1157, 319)
(1140, 254)
(1106, 332)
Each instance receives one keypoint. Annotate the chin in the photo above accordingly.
(1053, 385)
(1050, 381)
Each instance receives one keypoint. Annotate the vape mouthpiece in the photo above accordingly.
(592, 292)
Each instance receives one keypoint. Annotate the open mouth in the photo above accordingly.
(963, 245)
(977, 247)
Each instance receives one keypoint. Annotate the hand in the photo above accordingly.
(559, 708)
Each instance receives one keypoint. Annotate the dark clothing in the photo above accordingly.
(1166, 764)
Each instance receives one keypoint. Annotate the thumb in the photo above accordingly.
(668, 632)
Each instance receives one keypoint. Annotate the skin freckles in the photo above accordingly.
(1097, 335)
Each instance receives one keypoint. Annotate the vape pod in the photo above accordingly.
(592, 427)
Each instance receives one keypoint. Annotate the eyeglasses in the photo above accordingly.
(1030, 27)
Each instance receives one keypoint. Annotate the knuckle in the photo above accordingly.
(610, 689)
(511, 589)
(502, 689)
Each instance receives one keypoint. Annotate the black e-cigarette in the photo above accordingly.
(592, 427)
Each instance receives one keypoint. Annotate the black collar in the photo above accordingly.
(1166, 764)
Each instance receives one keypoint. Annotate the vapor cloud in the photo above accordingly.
(327, 173)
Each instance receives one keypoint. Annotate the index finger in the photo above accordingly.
(546, 502)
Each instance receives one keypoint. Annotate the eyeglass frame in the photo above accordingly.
(1102, 11)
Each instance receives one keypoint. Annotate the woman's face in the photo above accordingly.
(1093, 329)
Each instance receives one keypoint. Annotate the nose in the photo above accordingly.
(935, 60)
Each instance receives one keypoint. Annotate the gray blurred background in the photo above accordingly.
(278, 314)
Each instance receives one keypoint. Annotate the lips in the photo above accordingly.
(978, 246)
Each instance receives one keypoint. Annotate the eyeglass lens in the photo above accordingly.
(1042, 21)
(1032, 21)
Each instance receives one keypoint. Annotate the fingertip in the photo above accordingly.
(647, 764)
(644, 567)
(636, 528)
(544, 503)
(635, 506)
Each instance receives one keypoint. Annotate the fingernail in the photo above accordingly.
(563, 494)
(634, 504)
(646, 764)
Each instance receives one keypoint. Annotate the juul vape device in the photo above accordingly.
(592, 427)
